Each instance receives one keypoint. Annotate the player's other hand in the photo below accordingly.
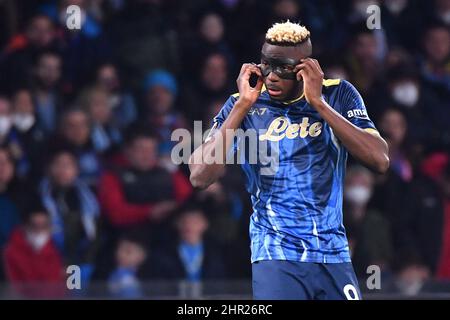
(248, 94)
(161, 210)
(310, 71)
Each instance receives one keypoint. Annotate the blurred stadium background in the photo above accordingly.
(85, 122)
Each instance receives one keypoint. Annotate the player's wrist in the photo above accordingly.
(244, 103)
(318, 102)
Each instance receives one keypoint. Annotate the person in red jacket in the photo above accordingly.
(33, 265)
(442, 162)
(141, 190)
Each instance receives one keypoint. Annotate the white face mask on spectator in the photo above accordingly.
(358, 195)
(5, 124)
(406, 94)
(38, 240)
(23, 122)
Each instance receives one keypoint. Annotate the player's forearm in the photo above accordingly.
(207, 163)
(367, 147)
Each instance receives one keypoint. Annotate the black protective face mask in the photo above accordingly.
(282, 67)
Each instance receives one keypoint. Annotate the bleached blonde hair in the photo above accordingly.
(287, 33)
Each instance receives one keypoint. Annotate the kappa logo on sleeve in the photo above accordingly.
(357, 113)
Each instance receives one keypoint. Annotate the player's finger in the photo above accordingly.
(315, 66)
(303, 74)
(318, 65)
(304, 65)
(245, 68)
(259, 84)
(311, 69)
(245, 71)
(256, 70)
(300, 67)
(297, 67)
(307, 68)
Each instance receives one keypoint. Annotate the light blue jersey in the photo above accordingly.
(297, 210)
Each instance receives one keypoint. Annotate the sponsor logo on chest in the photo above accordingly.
(281, 128)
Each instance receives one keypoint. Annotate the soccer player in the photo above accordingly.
(298, 242)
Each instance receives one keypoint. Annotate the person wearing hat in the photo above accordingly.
(160, 93)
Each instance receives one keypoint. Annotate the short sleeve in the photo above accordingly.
(225, 111)
(353, 107)
(219, 119)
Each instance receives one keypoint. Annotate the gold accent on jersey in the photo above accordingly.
(372, 131)
(331, 82)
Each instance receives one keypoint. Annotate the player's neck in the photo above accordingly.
(296, 97)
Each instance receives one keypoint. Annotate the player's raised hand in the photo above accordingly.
(247, 93)
(310, 71)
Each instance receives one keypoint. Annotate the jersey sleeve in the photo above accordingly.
(353, 107)
(219, 119)
(225, 111)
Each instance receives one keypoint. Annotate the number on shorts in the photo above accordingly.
(350, 292)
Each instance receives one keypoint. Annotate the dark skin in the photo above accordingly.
(290, 89)
(368, 147)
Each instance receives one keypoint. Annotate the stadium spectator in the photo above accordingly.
(82, 50)
(442, 11)
(435, 70)
(437, 167)
(364, 59)
(30, 138)
(410, 277)
(212, 82)
(210, 37)
(394, 127)
(73, 210)
(75, 135)
(161, 91)
(9, 197)
(336, 71)
(138, 52)
(405, 92)
(368, 231)
(33, 265)
(192, 256)
(23, 49)
(399, 22)
(12, 137)
(46, 93)
(5, 121)
(125, 280)
(418, 226)
(404, 87)
(212, 30)
(284, 10)
(435, 65)
(121, 101)
(105, 134)
(137, 190)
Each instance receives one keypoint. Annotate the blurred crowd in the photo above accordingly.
(86, 118)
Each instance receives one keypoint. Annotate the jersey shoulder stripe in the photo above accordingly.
(331, 82)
